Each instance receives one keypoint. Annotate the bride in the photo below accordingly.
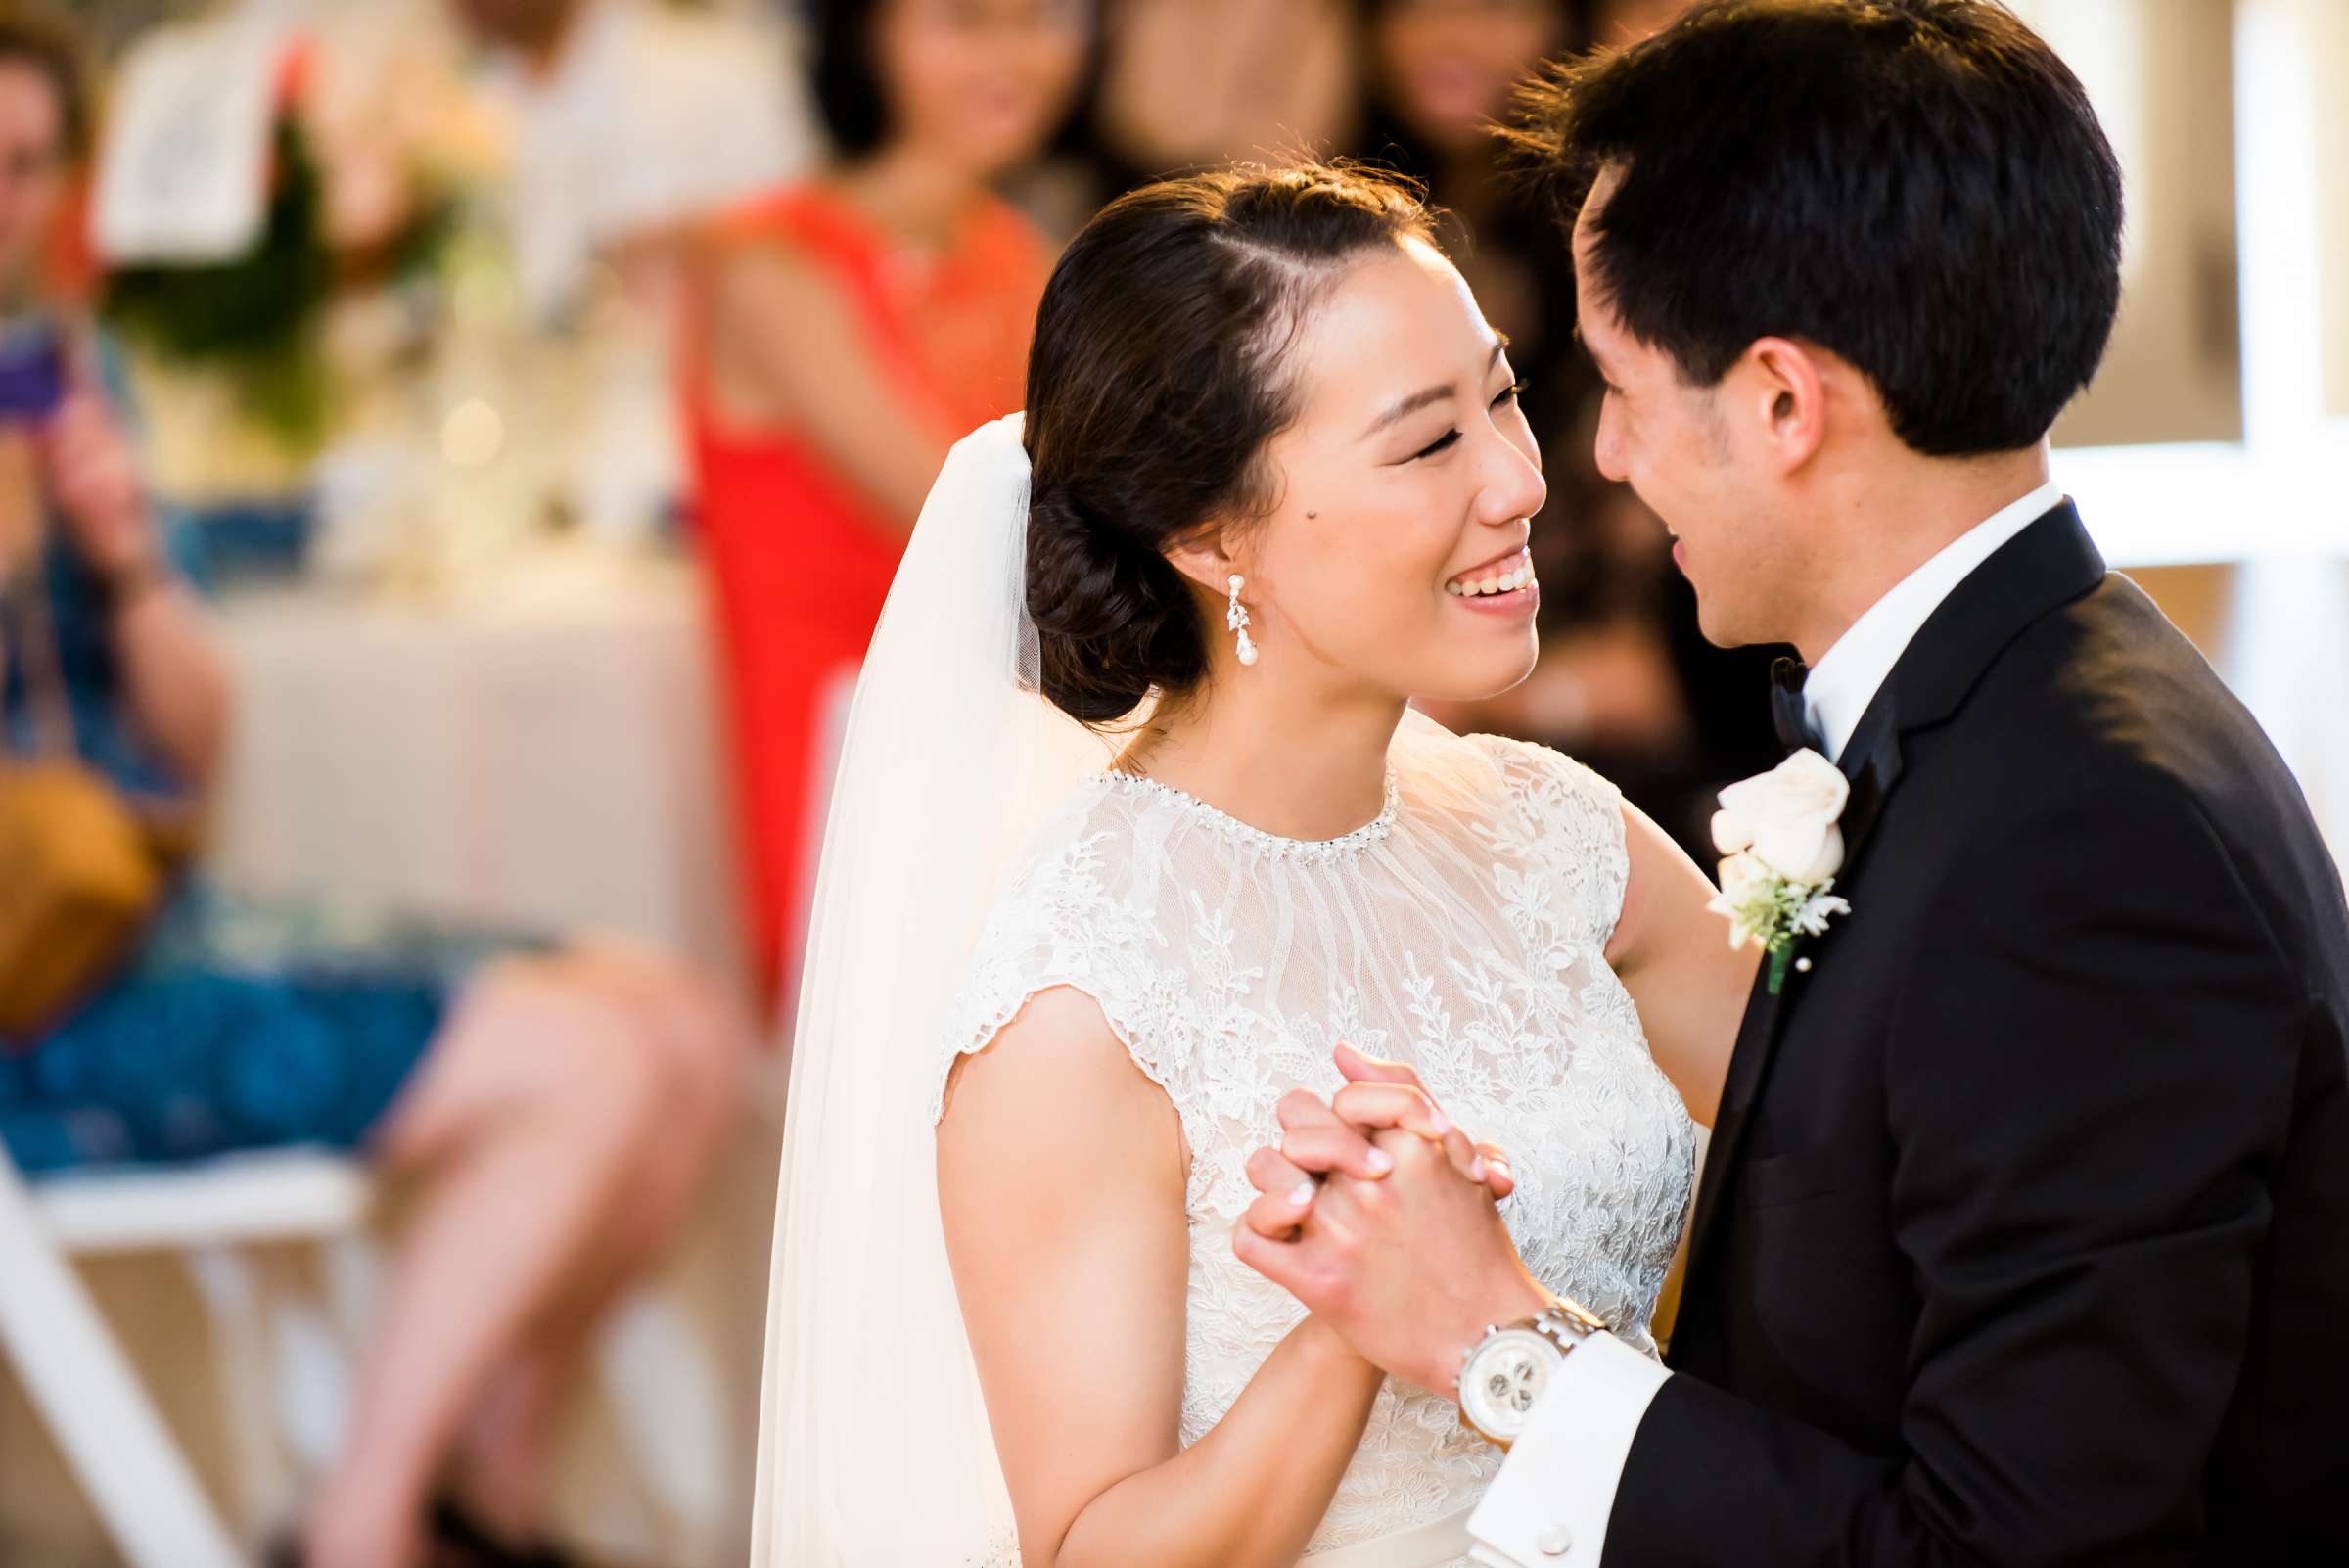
(1133, 830)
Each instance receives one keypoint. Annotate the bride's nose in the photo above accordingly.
(1513, 487)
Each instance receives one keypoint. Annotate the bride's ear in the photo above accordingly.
(1202, 558)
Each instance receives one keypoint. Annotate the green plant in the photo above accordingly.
(255, 317)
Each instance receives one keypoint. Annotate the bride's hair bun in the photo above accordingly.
(1113, 617)
(1160, 371)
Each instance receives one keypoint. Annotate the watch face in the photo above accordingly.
(1503, 1380)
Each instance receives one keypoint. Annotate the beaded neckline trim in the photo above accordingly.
(1271, 844)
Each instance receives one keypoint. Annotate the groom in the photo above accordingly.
(2024, 1234)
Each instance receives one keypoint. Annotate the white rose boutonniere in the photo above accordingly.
(1781, 846)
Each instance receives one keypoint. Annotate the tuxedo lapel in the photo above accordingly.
(2042, 569)
(1757, 1035)
(1873, 763)
(2049, 563)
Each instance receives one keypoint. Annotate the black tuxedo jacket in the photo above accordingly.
(2024, 1235)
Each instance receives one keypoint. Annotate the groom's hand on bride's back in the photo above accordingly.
(1378, 1215)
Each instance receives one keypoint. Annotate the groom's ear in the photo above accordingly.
(1784, 390)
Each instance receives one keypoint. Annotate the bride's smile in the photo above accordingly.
(1502, 578)
(1395, 558)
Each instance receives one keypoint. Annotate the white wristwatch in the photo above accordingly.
(1504, 1374)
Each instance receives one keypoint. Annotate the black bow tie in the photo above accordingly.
(1787, 709)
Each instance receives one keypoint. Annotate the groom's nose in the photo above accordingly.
(1607, 445)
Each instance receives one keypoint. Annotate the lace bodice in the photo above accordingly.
(1463, 931)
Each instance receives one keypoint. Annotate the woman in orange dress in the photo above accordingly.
(846, 330)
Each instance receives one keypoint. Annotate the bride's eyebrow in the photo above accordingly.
(1404, 408)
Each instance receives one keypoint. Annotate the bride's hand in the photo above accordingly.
(1380, 1094)
(1409, 1269)
(1318, 1142)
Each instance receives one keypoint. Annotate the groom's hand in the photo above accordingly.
(1355, 1255)
(1409, 1268)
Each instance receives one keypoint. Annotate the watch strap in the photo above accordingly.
(1569, 1322)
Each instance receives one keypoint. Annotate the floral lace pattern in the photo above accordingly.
(1462, 931)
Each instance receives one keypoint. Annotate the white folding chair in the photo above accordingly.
(137, 1478)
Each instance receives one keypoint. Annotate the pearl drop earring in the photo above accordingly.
(1237, 620)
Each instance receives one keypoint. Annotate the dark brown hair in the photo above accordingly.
(1157, 374)
(36, 37)
(1918, 185)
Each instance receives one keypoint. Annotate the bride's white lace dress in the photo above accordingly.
(1463, 931)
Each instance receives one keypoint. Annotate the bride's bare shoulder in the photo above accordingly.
(1058, 1065)
(1060, 1038)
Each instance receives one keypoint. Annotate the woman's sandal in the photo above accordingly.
(470, 1545)
(458, 1540)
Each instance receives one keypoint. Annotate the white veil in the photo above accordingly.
(873, 1445)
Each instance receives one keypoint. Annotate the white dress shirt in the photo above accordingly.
(1847, 677)
(1550, 1504)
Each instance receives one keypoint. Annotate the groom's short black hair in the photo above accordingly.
(1918, 186)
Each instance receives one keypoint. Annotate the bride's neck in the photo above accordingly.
(1287, 763)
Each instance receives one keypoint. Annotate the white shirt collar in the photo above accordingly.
(1846, 679)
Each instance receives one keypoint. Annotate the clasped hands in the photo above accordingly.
(1380, 1216)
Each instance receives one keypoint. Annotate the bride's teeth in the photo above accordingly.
(1511, 582)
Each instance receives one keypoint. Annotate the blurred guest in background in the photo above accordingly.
(555, 1109)
(1194, 83)
(628, 118)
(1626, 681)
(850, 329)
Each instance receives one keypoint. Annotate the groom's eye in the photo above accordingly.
(1509, 395)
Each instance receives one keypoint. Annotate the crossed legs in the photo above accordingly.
(556, 1132)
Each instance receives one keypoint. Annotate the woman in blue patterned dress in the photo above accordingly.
(555, 1109)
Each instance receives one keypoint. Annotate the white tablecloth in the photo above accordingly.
(540, 751)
